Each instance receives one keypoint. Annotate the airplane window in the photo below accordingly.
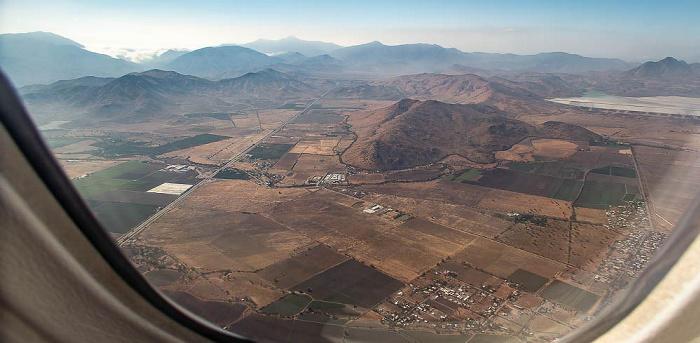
(414, 172)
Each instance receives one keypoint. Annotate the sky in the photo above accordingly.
(636, 31)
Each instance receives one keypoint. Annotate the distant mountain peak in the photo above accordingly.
(291, 44)
(46, 37)
(668, 68)
(374, 43)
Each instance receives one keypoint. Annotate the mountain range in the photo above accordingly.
(415, 58)
(42, 58)
(292, 44)
(499, 92)
(221, 62)
(158, 95)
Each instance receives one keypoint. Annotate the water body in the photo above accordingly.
(655, 104)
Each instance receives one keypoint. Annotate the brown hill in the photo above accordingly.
(411, 133)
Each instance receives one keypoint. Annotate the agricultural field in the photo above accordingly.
(269, 151)
(233, 174)
(217, 312)
(417, 174)
(467, 175)
(601, 195)
(119, 217)
(58, 142)
(567, 170)
(503, 260)
(569, 295)
(591, 215)
(119, 195)
(287, 161)
(316, 146)
(219, 116)
(218, 240)
(550, 241)
(465, 219)
(506, 201)
(530, 150)
(530, 282)
(162, 277)
(294, 106)
(523, 182)
(130, 148)
(319, 116)
(671, 180)
(350, 282)
(554, 148)
(288, 306)
(302, 266)
(76, 168)
(363, 178)
(321, 164)
(616, 171)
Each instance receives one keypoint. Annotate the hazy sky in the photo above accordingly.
(632, 30)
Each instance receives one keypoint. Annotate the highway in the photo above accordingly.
(138, 229)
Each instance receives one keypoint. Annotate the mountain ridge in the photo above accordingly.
(41, 58)
(292, 44)
(157, 94)
(411, 133)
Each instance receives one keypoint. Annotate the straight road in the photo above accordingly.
(138, 229)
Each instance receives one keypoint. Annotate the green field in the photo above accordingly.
(288, 306)
(105, 180)
(128, 148)
(524, 167)
(629, 197)
(531, 282)
(57, 142)
(565, 189)
(189, 142)
(616, 171)
(609, 144)
(469, 175)
(293, 106)
(558, 169)
(233, 174)
(569, 295)
(323, 305)
(448, 177)
(120, 217)
(269, 151)
(571, 173)
(601, 195)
